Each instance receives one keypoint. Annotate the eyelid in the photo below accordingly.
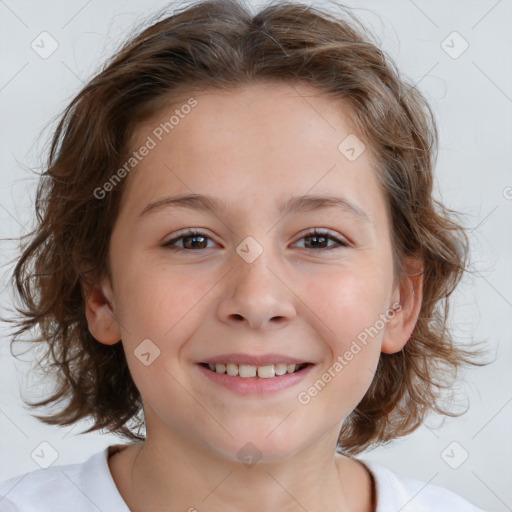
(340, 241)
(188, 232)
(319, 231)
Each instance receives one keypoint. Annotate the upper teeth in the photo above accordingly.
(247, 370)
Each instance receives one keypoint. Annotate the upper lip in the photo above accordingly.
(261, 360)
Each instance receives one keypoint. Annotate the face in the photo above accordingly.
(254, 280)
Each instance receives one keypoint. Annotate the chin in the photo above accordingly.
(253, 447)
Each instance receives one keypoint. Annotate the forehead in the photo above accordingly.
(262, 139)
(225, 119)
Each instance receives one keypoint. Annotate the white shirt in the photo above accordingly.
(89, 487)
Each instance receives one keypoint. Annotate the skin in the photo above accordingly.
(253, 148)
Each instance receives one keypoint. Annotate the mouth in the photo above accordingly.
(247, 371)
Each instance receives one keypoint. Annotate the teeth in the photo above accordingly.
(265, 372)
(247, 371)
(232, 369)
(280, 368)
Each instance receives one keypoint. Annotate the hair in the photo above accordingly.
(222, 45)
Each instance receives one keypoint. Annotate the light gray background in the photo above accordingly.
(472, 98)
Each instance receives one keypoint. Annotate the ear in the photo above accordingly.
(407, 301)
(100, 312)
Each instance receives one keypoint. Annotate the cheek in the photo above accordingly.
(161, 303)
(349, 301)
(350, 305)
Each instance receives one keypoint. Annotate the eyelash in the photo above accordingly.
(191, 233)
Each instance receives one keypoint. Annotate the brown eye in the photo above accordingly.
(190, 240)
(318, 239)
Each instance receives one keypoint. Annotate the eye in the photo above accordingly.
(193, 239)
(317, 239)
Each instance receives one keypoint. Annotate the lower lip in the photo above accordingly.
(255, 385)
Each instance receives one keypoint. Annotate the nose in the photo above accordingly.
(256, 296)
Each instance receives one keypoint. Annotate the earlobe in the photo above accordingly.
(100, 312)
(410, 297)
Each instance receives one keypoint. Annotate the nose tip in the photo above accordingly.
(257, 296)
(251, 320)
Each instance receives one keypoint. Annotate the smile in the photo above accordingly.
(246, 371)
(255, 380)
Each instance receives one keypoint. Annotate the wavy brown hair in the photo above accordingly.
(222, 44)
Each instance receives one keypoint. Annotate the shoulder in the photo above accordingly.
(399, 493)
(85, 486)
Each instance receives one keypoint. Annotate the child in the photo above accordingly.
(238, 252)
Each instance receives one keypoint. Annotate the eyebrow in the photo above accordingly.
(293, 205)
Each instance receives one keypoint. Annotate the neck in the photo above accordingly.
(160, 475)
